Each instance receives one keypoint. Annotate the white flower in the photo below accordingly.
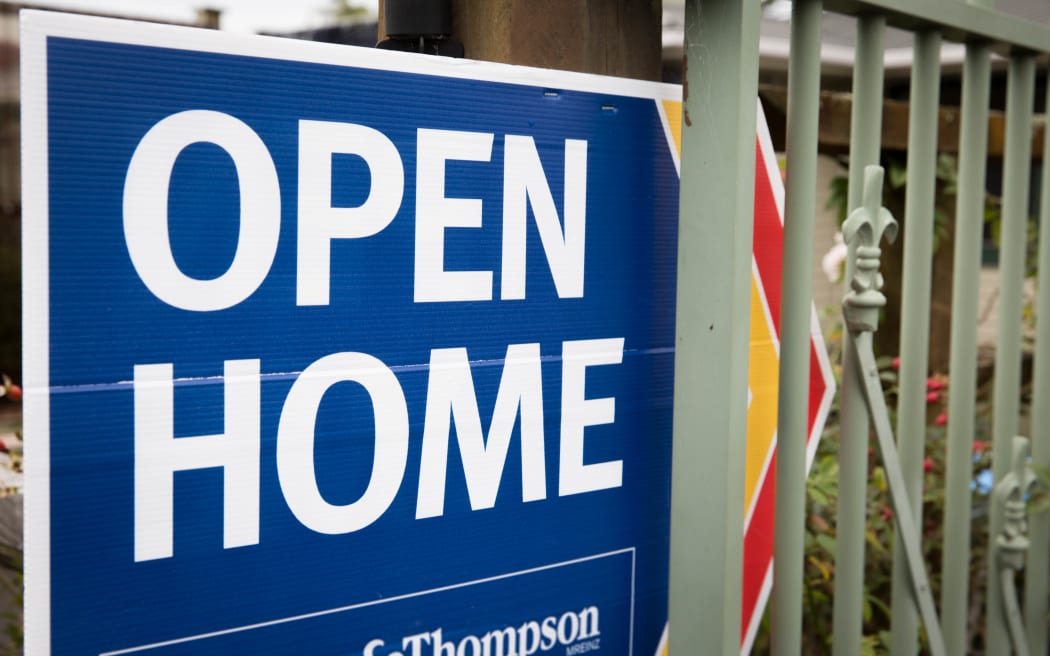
(834, 260)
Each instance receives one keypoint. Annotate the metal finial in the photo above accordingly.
(1011, 493)
(867, 224)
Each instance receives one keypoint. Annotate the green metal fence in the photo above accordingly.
(715, 239)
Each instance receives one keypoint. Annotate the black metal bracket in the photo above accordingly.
(422, 26)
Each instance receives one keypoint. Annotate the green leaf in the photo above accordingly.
(896, 175)
(826, 542)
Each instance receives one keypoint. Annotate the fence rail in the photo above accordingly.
(721, 53)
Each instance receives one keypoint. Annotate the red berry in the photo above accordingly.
(14, 392)
(941, 420)
(934, 384)
(933, 397)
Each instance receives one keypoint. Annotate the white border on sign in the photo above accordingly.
(387, 600)
(213, 41)
(35, 28)
(36, 420)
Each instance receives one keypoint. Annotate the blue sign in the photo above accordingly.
(338, 351)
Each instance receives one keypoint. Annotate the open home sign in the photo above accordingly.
(340, 351)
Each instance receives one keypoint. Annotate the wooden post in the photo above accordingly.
(609, 37)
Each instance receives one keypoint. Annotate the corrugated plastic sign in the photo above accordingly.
(338, 351)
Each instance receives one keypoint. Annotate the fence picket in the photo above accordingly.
(915, 314)
(1012, 251)
(714, 243)
(969, 222)
(1037, 579)
(797, 285)
(865, 133)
